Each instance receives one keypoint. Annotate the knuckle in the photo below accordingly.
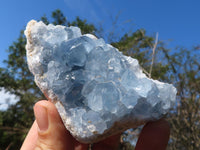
(41, 145)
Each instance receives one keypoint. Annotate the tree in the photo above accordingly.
(141, 46)
(58, 17)
(82, 24)
(185, 118)
(17, 79)
(180, 67)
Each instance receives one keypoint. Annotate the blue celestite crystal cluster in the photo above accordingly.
(97, 90)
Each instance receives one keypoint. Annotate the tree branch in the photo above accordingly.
(153, 54)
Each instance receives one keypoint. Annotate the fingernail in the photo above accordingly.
(41, 117)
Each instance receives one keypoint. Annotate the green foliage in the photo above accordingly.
(17, 79)
(180, 68)
(139, 45)
(44, 19)
(82, 24)
(59, 18)
(185, 120)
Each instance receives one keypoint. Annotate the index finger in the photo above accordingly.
(31, 138)
(154, 136)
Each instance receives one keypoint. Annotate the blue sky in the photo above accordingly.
(175, 20)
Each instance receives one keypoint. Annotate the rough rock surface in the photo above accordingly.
(98, 91)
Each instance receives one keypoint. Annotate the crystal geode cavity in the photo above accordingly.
(97, 90)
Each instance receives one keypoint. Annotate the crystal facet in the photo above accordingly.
(97, 90)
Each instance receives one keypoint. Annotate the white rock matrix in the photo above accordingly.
(97, 90)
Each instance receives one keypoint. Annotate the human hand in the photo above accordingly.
(49, 133)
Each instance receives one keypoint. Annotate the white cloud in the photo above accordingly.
(7, 99)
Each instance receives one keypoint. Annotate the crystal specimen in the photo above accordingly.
(98, 91)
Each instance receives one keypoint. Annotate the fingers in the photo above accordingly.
(80, 146)
(111, 143)
(154, 136)
(31, 138)
(48, 132)
(51, 132)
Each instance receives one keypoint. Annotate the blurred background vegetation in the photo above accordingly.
(178, 66)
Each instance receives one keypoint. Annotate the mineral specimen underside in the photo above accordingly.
(97, 90)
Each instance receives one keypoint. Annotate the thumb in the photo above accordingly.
(52, 134)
